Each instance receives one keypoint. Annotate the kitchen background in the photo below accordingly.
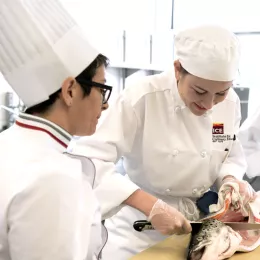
(138, 35)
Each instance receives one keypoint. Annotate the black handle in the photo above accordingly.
(141, 225)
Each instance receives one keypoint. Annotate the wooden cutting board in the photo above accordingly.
(174, 248)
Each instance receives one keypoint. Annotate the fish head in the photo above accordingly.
(212, 240)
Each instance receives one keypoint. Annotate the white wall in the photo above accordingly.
(250, 68)
(237, 15)
(142, 15)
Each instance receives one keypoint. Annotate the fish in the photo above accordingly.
(212, 241)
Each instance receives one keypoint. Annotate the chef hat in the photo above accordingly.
(209, 52)
(40, 46)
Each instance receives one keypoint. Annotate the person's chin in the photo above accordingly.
(91, 131)
(196, 110)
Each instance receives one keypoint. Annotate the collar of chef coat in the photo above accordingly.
(60, 139)
(178, 102)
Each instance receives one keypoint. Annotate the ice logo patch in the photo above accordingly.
(218, 129)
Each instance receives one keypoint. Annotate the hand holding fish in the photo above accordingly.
(245, 189)
(168, 220)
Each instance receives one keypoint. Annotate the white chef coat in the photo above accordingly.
(48, 208)
(167, 151)
(249, 135)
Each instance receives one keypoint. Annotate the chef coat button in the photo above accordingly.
(177, 109)
(175, 152)
(194, 191)
(203, 154)
(202, 190)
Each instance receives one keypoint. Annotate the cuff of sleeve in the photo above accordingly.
(112, 192)
(229, 169)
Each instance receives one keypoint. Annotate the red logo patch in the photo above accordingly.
(218, 129)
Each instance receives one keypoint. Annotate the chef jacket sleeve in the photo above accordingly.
(235, 164)
(113, 138)
(51, 219)
(249, 135)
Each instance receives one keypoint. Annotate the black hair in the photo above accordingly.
(86, 74)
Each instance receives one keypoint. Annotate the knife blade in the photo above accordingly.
(243, 226)
(141, 225)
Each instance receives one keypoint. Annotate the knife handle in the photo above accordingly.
(141, 225)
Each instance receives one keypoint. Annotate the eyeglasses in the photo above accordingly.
(105, 89)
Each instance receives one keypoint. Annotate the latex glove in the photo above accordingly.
(168, 220)
(245, 189)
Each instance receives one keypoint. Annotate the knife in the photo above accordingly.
(141, 225)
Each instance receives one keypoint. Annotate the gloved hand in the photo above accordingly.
(168, 220)
(245, 189)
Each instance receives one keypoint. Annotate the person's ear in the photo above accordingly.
(68, 90)
(177, 70)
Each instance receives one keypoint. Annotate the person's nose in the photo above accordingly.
(209, 102)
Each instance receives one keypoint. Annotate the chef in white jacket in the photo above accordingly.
(177, 134)
(249, 135)
(48, 210)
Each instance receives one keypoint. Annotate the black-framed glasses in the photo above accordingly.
(105, 89)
